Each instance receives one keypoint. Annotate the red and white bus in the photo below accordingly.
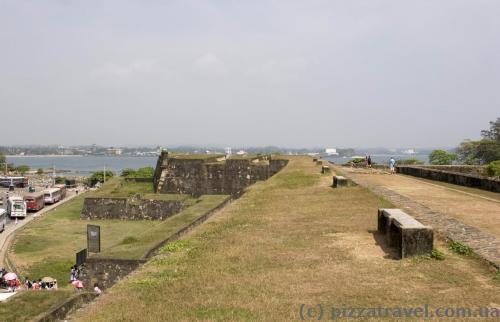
(61, 187)
(52, 195)
(34, 201)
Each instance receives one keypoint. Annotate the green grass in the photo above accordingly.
(47, 245)
(140, 244)
(118, 187)
(295, 180)
(27, 305)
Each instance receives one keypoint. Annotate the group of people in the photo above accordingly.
(368, 163)
(75, 281)
(10, 281)
(41, 284)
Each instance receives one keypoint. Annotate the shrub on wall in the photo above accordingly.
(493, 169)
(410, 161)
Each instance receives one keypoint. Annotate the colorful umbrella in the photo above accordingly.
(48, 279)
(77, 284)
(10, 276)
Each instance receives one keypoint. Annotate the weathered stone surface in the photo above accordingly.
(339, 181)
(133, 208)
(469, 179)
(199, 176)
(404, 233)
(106, 271)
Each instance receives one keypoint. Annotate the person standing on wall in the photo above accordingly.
(392, 165)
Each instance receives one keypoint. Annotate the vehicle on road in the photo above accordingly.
(61, 187)
(52, 195)
(34, 201)
(3, 219)
(17, 182)
(16, 207)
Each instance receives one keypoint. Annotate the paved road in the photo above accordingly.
(12, 226)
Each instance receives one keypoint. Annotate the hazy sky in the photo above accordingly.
(355, 73)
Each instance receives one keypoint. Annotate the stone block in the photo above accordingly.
(325, 169)
(407, 235)
(339, 181)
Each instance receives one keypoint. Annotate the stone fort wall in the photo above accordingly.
(132, 208)
(212, 175)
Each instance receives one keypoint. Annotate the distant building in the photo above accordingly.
(331, 151)
(114, 151)
(410, 151)
(241, 152)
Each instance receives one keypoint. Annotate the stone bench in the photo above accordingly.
(403, 232)
(325, 169)
(339, 181)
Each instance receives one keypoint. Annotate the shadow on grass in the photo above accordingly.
(380, 240)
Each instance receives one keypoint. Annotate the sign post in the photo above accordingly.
(94, 238)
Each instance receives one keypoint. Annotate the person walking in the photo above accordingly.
(369, 161)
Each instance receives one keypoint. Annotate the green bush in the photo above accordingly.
(437, 254)
(441, 157)
(146, 172)
(459, 248)
(98, 176)
(410, 161)
(493, 169)
(60, 180)
(496, 276)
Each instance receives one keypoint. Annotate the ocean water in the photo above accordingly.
(83, 165)
(381, 158)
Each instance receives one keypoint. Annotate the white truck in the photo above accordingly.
(3, 219)
(16, 207)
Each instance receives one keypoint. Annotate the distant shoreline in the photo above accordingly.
(41, 155)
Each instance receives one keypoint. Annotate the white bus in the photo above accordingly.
(3, 219)
(16, 207)
(52, 195)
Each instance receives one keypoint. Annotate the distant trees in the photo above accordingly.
(22, 169)
(98, 176)
(410, 161)
(441, 157)
(483, 151)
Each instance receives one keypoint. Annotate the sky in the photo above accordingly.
(354, 73)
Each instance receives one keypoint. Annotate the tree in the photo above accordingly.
(493, 169)
(127, 172)
(23, 169)
(441, 157)
(60, 180)
(483, 151)
(410, 161)
(98, 176)
(494, 132)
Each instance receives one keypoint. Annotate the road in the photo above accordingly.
(12, 227)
